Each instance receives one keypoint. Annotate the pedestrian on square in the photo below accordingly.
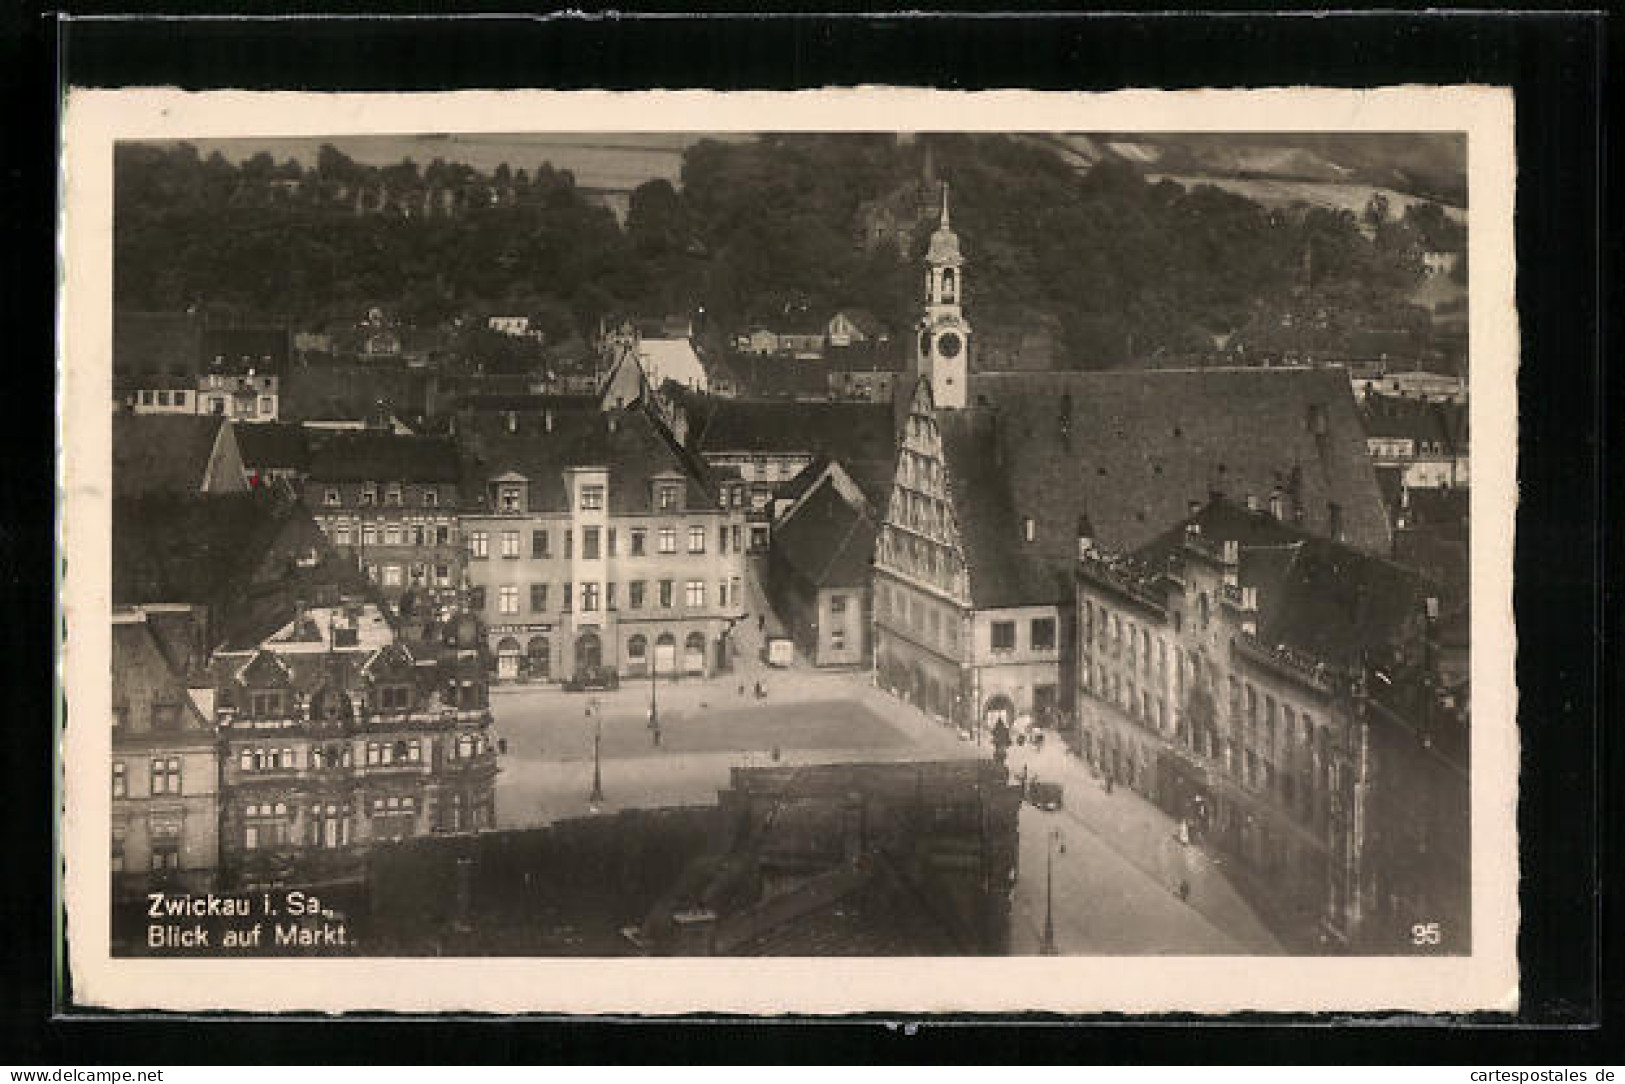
(1184, 890)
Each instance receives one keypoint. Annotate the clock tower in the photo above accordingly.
(942, 337)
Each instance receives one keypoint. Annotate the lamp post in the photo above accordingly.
(654, 685)
(1048, 946)
(597, 794)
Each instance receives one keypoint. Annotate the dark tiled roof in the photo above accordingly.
(844, 431)
(1314, 595)
(1003, 569)
(247, 348)
(827, 541)
(1446, 509)
(274, 445)
(636, 450)
(867, 357)
(368, 456)
(780, 378)
(1137, 448)
(233, 553)
(1392, 416)
(162, 453)
(156, 342)
(145, 677)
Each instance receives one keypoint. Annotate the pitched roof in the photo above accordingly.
(1134, 449)
(373, 456)
(1002, 569)
(1316, 596)
(240, 348)
(274, 445)
(630, 443)
(144, 677)
(162, 453)
(844, 431)
(671, 359)
(234, 553)
(1415, 419)
(827, 540)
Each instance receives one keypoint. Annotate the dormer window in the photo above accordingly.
(330, 496)
(666, 496)
(431, 498)
(509, 498)
(393, 698)
(394, 494)
(369, 494)
(592, 498)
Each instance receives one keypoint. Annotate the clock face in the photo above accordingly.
(948, 345)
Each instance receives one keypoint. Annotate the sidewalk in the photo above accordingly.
(1145, 837)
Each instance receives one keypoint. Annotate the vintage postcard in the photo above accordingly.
(874, 550)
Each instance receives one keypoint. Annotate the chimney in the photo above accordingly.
(1252, 503)
(1086, 537)
(613, 421)
(1230, 552)
(513, 421)
(1194, 509)
(547, 421)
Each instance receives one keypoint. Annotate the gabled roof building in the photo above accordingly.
(1281, 695)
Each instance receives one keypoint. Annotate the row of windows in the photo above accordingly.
(1254, 763)
(163, 716)
(594, 595)
(1040, 634)
(409, 575)
(164, 777)
(597, 542)
(510, 496)
(928, 621)
(393, 534)
(395, 493)
(259, 759)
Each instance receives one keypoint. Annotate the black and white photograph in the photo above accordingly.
(829, 543)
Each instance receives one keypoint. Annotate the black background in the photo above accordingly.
(1554, 62)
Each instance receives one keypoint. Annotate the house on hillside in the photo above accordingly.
(854, 325)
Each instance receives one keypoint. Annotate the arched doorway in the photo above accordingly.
(539, 658)
(637, 655)
(694, 653)
(589, 652)
(507, 658)
(666, 654)
(999, 709)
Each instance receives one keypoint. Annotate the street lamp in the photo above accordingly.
(597, 717)
(1048, 946)
(654, 685)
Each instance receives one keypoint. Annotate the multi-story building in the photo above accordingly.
(1223, 672)
(335, 734)
(819, 570)
(244, 396)
(596, 544)
(767, 444)
(165, 767)
(391, 503)
(996, 472)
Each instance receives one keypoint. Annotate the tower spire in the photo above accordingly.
(945, 205)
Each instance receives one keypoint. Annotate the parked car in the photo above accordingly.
(1045, 796)
(592, 678)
